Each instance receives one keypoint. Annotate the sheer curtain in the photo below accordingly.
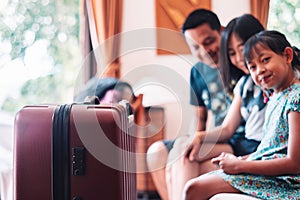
(102, 21)
(260, 9)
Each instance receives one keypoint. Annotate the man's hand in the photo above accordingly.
(192, 151)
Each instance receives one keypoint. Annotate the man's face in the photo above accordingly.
(204, 43)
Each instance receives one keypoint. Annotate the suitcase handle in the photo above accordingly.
(60, 153)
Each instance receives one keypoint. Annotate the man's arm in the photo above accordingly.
(201, 117)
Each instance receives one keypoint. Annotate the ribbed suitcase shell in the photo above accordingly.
(101, 131)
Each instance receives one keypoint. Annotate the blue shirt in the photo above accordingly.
(207, 90)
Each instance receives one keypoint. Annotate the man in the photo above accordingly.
(202, 30)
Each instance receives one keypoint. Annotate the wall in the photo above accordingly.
(228, 9)
(164, 79)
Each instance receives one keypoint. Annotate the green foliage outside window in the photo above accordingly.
(284, 16)
(53, 24)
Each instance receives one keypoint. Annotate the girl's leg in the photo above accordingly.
(180, 169)
(206, 186)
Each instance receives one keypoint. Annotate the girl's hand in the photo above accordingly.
(192, 151)
(229, 163)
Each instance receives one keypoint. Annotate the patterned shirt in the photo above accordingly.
(207, 90)
(253, 107)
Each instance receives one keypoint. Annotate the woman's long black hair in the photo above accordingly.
(243, 27)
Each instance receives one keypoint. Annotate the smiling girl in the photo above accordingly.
(273, 170)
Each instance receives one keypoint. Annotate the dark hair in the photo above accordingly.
(199, 17)
(243, 27)
(121, 85)
(273, 40)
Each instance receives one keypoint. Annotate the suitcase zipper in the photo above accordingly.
(60, 153)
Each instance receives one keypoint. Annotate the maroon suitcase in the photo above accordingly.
(77, 152)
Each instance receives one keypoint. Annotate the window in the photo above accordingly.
(39, 52)
(284, 16)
